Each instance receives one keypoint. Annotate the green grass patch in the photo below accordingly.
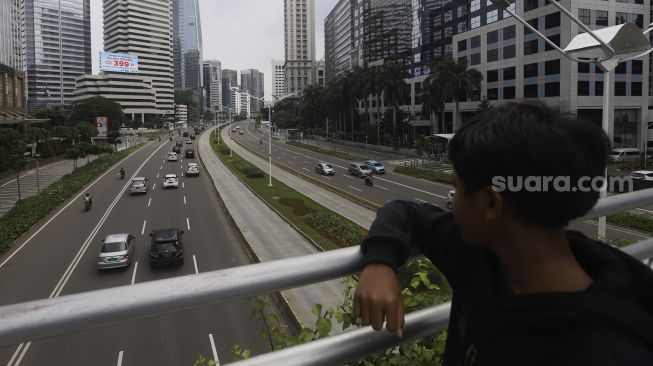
(424, 174)
(30, 210)
(633, 221)
(337, 154)
(326, 228)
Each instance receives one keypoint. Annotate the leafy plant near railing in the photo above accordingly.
(29, 211)
(335, 228)
(619, 243)
(631, 220)
(337, 154)
(419, 292)
(424, 174)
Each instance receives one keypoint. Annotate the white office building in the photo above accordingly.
(134, 93)
(299, 35)
(278, 78)
(181, 113)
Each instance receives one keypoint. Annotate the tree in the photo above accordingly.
(55, 114)
(484, 106)
(432, 100)
(12, 146)
(312, 96)
(457, 82)
(73, 154)
(394, 89)
(88, 109)
(84, 131)
(113, 138)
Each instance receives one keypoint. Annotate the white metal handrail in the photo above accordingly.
(72, 313)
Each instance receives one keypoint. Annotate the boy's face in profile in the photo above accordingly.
(471, 214)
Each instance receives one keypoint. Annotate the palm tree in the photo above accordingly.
(312, 96)
(457, 82)
(394, 89)
(432, 100)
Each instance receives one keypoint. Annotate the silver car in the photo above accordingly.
(450, 199)
(139, 185)
(116, 252)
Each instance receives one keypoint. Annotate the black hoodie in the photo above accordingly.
(610, 323)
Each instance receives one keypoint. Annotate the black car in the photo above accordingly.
(190, 153)
(192, 137)
(179, 143)
(185, 134)
(167, 247)
(177, 149)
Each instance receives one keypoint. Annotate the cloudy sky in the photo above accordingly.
(243, 34)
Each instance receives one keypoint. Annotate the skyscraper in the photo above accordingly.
(299, 34)
(213, 84)
(187, 44)
(10, 36)
(251, 80)
(278, 79)
(56, 50)
(339, 39)
(232, 75)
(144, 29)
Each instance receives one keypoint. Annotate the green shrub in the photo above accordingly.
(424, 174)
(335, 228)
(631, 220)
(253, 172)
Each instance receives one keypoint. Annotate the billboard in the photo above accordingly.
(102, 124)
(118, 62)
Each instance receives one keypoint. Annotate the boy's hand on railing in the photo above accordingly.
(378, 297)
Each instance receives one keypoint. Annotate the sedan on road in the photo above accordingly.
(116, 252)
(170, 181)
(193, 169)
(324, 169)
(189, 141)
(167, 247)
(190, 154)
(359, 170)
(450, 199)
(375, 166)
(139, 185)
(172, 156)
(642, 174)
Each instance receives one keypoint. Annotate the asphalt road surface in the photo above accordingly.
(60, 259)
(387, 187)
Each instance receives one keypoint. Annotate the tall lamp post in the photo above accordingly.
(606, 48)
(270, 144)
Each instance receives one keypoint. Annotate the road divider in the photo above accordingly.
(134, 273)
(143, 229)
(195, 263)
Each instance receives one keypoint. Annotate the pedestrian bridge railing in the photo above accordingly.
(58, 316)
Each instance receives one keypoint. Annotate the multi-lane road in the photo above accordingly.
(387, 187)
(58, 258)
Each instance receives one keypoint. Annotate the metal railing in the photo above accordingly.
(73, 313)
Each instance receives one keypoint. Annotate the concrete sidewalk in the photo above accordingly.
(272, 238)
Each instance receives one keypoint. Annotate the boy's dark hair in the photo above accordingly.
(528, 138)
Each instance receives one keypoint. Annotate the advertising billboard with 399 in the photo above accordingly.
(118, 62)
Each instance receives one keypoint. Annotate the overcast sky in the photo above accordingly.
(243, 34)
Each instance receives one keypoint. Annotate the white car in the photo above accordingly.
(172, 156)
(642, 174)
(450, 199)
(192, 169)
(170, 181)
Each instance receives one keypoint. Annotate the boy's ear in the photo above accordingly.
(494, 204)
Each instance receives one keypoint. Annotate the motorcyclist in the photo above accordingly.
(260, 141)
(369, 180)
(122, 173)
(88, 201)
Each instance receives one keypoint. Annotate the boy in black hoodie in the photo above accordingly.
(525, 290)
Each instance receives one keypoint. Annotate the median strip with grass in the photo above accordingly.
(29, 211)
(326, 229)
(337, 154)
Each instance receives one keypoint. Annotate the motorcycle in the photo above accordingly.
(368, 181)
(87, 205)
(122, 174)
(260, 141)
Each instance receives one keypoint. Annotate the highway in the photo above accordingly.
(58, 258)
(387, 187)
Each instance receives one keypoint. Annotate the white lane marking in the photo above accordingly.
(382, 188)
(184, 200)
(306, 169)
(420, 200)
(120, 359)
(182, 174)
(157, 175)
(413, 188)
(153, 186)
(74, 200)
(149, 202)
(188, 224)
(347, 176)
(215, 353)
(134, 274)
(183, 185)
(327, 178)
(643, 210)
(143, 229)
(616, 229)
(290, 162)
(195, 263)
(78, 257)
(20, 347)
(182, 166)
(22, 354)
(161, 167)
(355, 188)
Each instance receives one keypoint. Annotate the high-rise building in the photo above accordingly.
(251, 80)
(133, 92)
(319, 73)
(144, 28)
(226, 91)
(56, 49)
(299, 35)
(10, 34)
(187, 44)
(278, 79)
(232, 75)
(213, 84)
(386, 31)
(234, 100)
(517, 64)
(339, 39)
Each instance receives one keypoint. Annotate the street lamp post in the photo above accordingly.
(270, 146)
(606, 48)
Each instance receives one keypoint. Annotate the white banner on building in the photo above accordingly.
(102, 124)
(118, 62)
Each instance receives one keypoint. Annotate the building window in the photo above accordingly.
(622, 18)
(492, 16)
(620, 89)
(462, 27)
(475, 5)
(555, 39)
(476, 42)
(492, 76)
(530, 91)
(584, 15)
(531, 70)
(552, 89)
(602, 18)
(552, 20)
(509, 92)
(509, 32)
(621, 69)
(509, 73)
(598, 88)
(461, 10)
(512, 7)
(583, 68)
(531, 47)
(492, 55)
(583, 88)
(475, 22)
(530, 5)
(509, 52)
(493, 94)
(636, 89)
(637, 67)
(533, 23)
(552, 67)
(475, 59)
(462, 45)
(493, 37)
